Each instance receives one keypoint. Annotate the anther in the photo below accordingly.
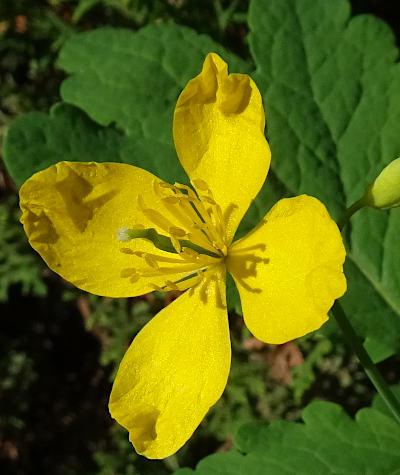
(189, 191)
(126, 250)
(138, 253)
(200, 184)
(187, 252)
(154, 216)
(176, 244)
(162, 184)
(161, 189)
(208, 200)
(177, 232)
(150, 261)
(171, 200)
(171, 285)
(134, 278)
(128, 272)
(158, 288)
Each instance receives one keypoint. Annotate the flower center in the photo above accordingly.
(199, 216)
(194, 230)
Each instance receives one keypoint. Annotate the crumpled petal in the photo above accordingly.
(289, 270)
(219, 126)
(174, 371)
(72, 212)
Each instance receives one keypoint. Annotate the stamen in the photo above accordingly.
(134, 278)
(171, 285)
(190, 193)
(208, 200)
(177, 232)
(150, 261)
(138, 253)
(176, 244)
(171, 200)
(158, 288)
(221, 246)
(128, 272)
(196, 222)
(199, 241)
(206, 218)
(165, 185)
(200, 184)
(126, 250)
(189, 254)
(168, 260)
(201, 275)
(220, 220)
(179, 269)
(154, 216)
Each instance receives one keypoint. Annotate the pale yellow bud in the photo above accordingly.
(384, 192)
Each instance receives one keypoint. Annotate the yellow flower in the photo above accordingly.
(288, 270)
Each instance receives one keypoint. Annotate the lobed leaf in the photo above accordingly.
(126, 80)
(328, 441)
(331, 91)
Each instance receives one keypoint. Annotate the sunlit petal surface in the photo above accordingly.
(219, 137)
(175, 370)
(288, 270)
(72, 213)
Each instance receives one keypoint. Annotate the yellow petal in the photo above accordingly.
(288, 270)
(72, 213)
(174, 371)
(219, 126)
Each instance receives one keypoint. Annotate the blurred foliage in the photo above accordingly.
(55, 374)
(316, 349)
(116, 321)
(121, 459)
(18, 374)
(18, 265)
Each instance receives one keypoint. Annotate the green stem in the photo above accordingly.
(372, 371)
(345, 218)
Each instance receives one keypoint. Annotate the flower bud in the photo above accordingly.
(384, 192)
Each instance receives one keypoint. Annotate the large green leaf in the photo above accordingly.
(328, 441)
(37, 140)
(127, 80)
(134, 79)
(331, 91)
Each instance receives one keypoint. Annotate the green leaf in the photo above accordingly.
(133, 79)
(380, 405)
(128, 81)
(331, 91)
(37, 140)
(328, 441)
